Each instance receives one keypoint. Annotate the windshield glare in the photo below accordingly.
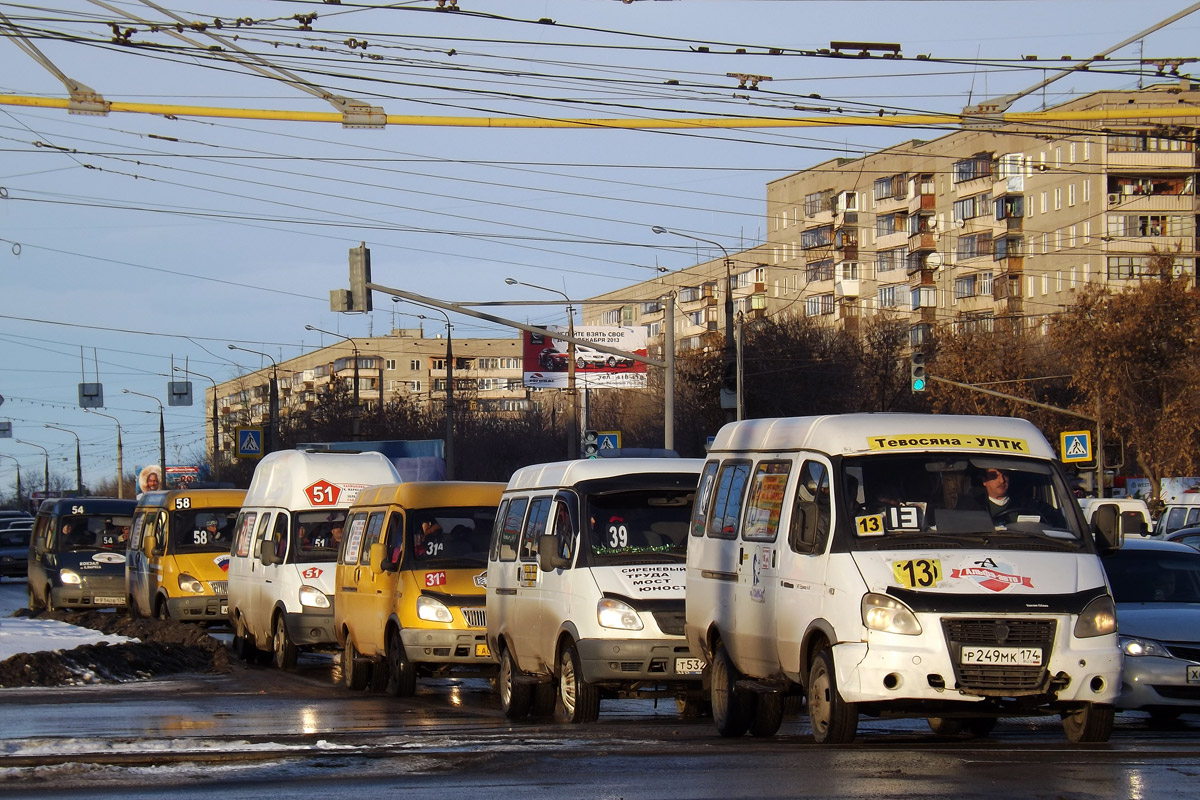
(641, 522)
(901, 495)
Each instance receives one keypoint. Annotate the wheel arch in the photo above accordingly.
(818, 636)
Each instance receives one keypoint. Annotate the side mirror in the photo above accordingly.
(376, 557)
(804, 526)
(266, 552)
(548, 555)
(1106, 527)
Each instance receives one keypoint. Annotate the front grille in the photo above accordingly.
(999, 633)
(669, 622)
(475, 617)
(1188, 652)
(219, 587)
(1191, 693)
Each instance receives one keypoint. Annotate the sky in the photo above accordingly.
(134, 243)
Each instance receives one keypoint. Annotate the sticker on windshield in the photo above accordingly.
(869, 525)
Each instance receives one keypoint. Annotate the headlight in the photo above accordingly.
(1134, 646)
(883, 613)
(69, 576)
(189, 584)
(1098, 619)
(617, 614)
(313, 597)
(432, 610)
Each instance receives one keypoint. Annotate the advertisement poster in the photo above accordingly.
(546, 359)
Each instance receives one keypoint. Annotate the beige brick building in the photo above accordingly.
(972, 229)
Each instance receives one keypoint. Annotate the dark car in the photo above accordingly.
(552, 360)
(1156, 586)
(1188, 536)
(77, 553)
(14, 552)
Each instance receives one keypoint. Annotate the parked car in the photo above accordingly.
(1189, 536)
(14, 552)
(1156, 586)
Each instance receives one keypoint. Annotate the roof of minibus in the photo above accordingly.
(285, 478)
(432, 494)
(91, 505)
(846, 434)
(569, 473)
(198, 498)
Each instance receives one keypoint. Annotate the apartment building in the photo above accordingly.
(404, 364)
(973, 229)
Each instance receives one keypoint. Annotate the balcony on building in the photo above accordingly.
(1010, 209)
(848, 284)
(922, 194)
(818, 206)
(845, 242)
(1157, 148)
(891, 193)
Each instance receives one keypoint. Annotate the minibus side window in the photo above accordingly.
(564, 530)
(374, 527)
(511, 531)
(811, 512)
(535, 526)
(245, 527)
(156, 531)
(355, 525)
(704, 498)
(765, 506)
(727, 505)
(497, 530)
(135, 532)
(393, 542)
(276, 541)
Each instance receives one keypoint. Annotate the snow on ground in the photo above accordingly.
(23, 635)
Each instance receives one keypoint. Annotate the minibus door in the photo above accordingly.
(374, 590)
(530, 640)
(758, 557)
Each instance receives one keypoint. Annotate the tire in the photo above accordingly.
(401, 674)
(243, 646)
(545, 697)
(768, 714)
(1091, 723)
(974, 727)
(693, 705)
(793, 705)
(579, 699)
(162, 612)
(283, 650)
(356, 673)
(731, 709)
(580, 364)
(515, 698)
(611, 361)
(34, 605)
(834, 721)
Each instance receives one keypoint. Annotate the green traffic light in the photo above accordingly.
(918, 384)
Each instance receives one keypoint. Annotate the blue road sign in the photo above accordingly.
(609, 440)
(1076, 446)
(249, 442)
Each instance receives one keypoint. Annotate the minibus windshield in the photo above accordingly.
(202, 530)
(956, 497)
(316, 535)
(92, 532)
(640, 523)
(442, 535)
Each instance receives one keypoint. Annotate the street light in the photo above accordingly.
(731, 363)
(120, 454)
(78, 461)
(162, 434)
(18, 463)
(216, 436)
(46, 477)
(573, 404)
(272, 398)
(354, 347)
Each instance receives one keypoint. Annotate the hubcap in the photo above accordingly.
(567, 683)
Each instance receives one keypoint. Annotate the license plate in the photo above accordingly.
(1193, 674)
(482, 651)
(108, 601)
(689, 666)
(224, 609)
(1002, 656)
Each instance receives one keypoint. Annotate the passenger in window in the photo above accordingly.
(427, 537)
(1007, 507)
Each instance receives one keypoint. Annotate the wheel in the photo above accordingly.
(731, 709)
(515, 698)
(50, 606)
(834, 721)
(162, 612)
(131, 607)
(611, 362)
(283, 650)
(1091, 723)
(34, 605)
(401, 674)
(580, 700)
(580, 363)
(975, 727)
(793, 705)
(356, 673)
(768, 714)
(545, 696)
(243, 645)
(693, 705)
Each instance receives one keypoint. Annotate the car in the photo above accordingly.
(552, 360)
(587, 357)
(1189, 536)
(14, 552)
(1156, 586)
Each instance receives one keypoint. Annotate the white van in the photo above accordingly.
(585, 585)
(1135, 514)
(281, 569)
(872, 562)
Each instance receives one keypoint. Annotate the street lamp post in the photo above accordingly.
(731, 365)
(216, 435)
(272, 399)
(162, 434)
(572, 396)
(78, 460)
(46, 476)
(120, 454)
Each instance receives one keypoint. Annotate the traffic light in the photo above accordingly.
(591, 444)
(360, 276)
(917, 369)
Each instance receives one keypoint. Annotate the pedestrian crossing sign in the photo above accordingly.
(249, 442)
(1076, 446)
(609, 440)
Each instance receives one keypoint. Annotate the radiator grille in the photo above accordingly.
(219, 587)
(999, 633)
(475, 617)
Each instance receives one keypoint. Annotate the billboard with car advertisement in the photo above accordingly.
(546, 359)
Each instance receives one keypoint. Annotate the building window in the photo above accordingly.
(415, 386)
(887, 296)
(1071, 194)
(893, 187)
(1144, 142)
(1045, 207)
(819, 305)
(1010, 207)
(887, 260)
(689, 294)
(1008, 247)
(977, 166)
(971, 207)
(1123, 267)
(389, 364)
(1058, 198)
(819, 271)
(816, 202)
(964, 287)
(415, 364)
(924, 297)
(890, 223)
(817, 237)
(1087, 191)
(1137, 225)
(974, 246)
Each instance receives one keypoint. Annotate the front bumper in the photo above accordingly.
(633, 660)
(311, 627)
(206, 608)
(95, 592)
(1153, 682)
(446, 646)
